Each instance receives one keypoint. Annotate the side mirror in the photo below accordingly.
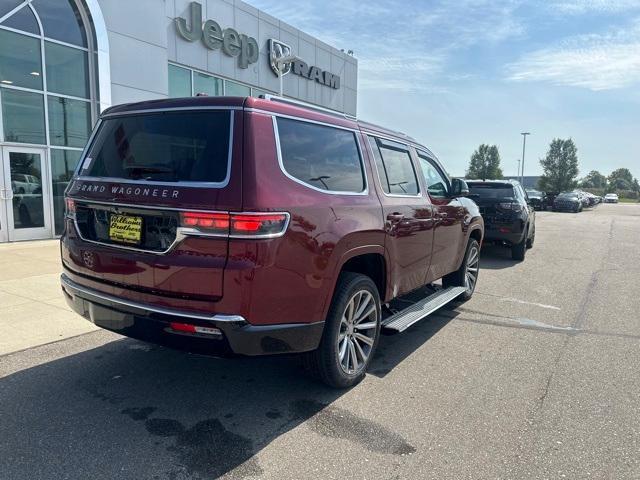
(459, 188)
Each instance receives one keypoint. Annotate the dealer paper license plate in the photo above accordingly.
(125, 229)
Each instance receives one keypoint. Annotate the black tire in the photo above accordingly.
(519, 250)
(531, 240)
(458, 278)
(324, 363)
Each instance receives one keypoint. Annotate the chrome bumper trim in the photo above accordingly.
(73, 287)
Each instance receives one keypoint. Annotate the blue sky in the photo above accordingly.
(454, 74)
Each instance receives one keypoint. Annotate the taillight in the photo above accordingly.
(509, 207)
(70, 208)
(246, 225)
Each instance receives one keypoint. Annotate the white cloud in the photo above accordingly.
(403, 45)
(594, 6)
(596, 62)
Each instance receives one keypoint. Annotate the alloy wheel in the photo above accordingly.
(473, 266)
(357, 334)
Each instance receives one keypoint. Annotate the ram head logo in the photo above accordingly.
(278, 50)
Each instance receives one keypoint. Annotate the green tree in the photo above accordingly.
(485, 163)
(594, 179)
(560, 166)
(621, 179)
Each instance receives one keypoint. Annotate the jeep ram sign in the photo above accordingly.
(278, 49)
(246, 48)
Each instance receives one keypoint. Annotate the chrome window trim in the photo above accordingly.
(396, 195)
(415, 145)
(145, 183)
(276, 133)
(302, 119)
(216, 317)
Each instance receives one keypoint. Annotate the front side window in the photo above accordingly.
(162, 147)
(323, 157)
(436, 183)
(397, 175)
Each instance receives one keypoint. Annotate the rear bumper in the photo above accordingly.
(153, 324)
(511, 233)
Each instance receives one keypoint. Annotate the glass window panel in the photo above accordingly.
(323, 157)
(69, 122)
(24, 20)
(61, 20)
(436, 183)
(166, 147)
(67, 70)
(207, 84)
(7, 5)
(22, 116)
(63, 164)
(26, 183)
(400, 173)
(233, 89)
(20, 62)
(179, 82)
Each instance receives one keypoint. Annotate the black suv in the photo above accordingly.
(509, 217)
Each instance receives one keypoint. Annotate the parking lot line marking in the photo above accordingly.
(541, 305)
(516, 300)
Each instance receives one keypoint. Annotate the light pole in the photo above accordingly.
(524, 146)
(518, 174)
(281, 63)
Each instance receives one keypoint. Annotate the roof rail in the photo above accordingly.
(300, 103)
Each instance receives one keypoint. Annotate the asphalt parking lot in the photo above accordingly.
(535, 377)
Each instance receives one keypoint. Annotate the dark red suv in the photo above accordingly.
(262, 226)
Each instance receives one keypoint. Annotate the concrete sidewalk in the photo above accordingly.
(32, 309)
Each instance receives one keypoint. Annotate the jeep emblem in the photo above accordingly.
(214, 37)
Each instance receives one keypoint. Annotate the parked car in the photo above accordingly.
(260, 226)
(509, 217)
(584, 199)
(537, 198)
(568, 202)
(22, 183)
(611, 198)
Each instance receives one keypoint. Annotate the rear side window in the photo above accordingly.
(395, 168)
(162, 147)
(322, 157)
(492, 190)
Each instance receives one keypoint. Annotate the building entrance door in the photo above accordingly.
(25, 196)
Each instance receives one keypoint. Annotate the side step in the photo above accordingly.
(402, 320)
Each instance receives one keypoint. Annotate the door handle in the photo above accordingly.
(395, 217)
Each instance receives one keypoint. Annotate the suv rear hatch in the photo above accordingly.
(146, 176)
(496, 201)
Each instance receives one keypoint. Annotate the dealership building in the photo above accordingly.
(62, 62)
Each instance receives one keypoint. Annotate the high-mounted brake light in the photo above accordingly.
(249, 225)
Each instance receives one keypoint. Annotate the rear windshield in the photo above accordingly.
(568, 195)
(491, 191)
(162, 147)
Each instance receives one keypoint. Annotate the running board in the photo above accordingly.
(402, 320)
